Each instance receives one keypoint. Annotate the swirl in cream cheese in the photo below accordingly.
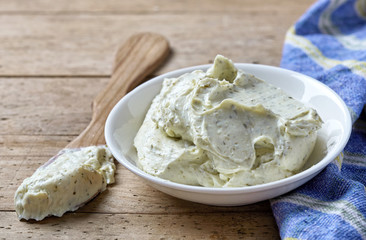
(225, 128)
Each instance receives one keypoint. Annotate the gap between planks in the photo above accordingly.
(155, 213)
(118, 13)
(54, 76)
(64, 76)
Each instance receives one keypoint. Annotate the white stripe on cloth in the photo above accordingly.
(355, 159)
(357, 67)
(326, 26)
(344, 209)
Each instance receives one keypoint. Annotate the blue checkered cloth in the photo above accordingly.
(328, 43)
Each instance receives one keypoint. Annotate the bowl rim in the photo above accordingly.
(313, 170)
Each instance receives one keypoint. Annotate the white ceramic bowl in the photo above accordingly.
(126, 117)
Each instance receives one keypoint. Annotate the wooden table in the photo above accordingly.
(55, 57)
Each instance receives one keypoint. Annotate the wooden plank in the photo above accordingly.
(153, 6)
(143, 226)
(46, 106)
(84, 45)
(29, 145)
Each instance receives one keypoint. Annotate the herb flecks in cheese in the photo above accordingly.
(65, 182)
(225, 128)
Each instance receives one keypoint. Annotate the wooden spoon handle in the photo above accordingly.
(135, 60)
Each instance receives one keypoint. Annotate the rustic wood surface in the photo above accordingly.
(57, 55)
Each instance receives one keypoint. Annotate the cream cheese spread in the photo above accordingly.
(65, 183)
(224, 128)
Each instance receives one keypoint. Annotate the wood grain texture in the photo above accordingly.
(47, 106)
(56, 56)
(153, 6)
(77, 45)
(142, 226)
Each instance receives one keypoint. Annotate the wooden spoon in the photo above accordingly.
(135, 60)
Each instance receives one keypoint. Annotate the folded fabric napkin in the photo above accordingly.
(328, 43)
